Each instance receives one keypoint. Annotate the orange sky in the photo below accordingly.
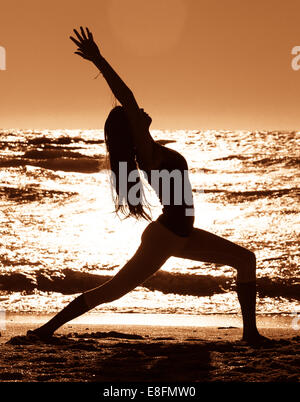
(191, 63)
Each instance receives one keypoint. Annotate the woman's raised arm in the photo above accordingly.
(88, 49)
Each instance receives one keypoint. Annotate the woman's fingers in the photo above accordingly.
(90, 35)
(81, 54)
(75, 41)
(78, 35)
(83, 37)
(83, 33)
(85, 43)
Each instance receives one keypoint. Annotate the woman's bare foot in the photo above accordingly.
(254, 338)
(39, 334)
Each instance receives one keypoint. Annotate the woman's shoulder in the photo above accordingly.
(164, 156)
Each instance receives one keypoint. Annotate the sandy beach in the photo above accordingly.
(89, 352)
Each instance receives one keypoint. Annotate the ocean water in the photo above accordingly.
(60, 236)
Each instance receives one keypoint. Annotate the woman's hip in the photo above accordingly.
(160, 237)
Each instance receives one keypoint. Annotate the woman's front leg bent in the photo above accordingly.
(208, 247)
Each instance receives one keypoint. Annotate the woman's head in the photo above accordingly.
(122, 157)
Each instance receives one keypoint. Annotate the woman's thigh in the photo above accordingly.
(157, 245)
(208, 247)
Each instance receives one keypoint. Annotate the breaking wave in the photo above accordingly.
(68, 281)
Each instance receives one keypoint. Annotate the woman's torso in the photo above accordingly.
(169, 178)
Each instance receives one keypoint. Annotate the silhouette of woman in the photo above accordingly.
(128, 140)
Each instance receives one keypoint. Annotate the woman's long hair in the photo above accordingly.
(120, 147)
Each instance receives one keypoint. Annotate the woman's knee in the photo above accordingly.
(247, 262)
(251, 259)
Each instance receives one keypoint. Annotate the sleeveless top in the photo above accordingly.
(172, 186)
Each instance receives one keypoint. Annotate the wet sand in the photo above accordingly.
(81, 352)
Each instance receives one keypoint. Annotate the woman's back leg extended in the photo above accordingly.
(145, 262)
(156, 247)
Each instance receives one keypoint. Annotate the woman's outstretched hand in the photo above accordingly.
(87, 48)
